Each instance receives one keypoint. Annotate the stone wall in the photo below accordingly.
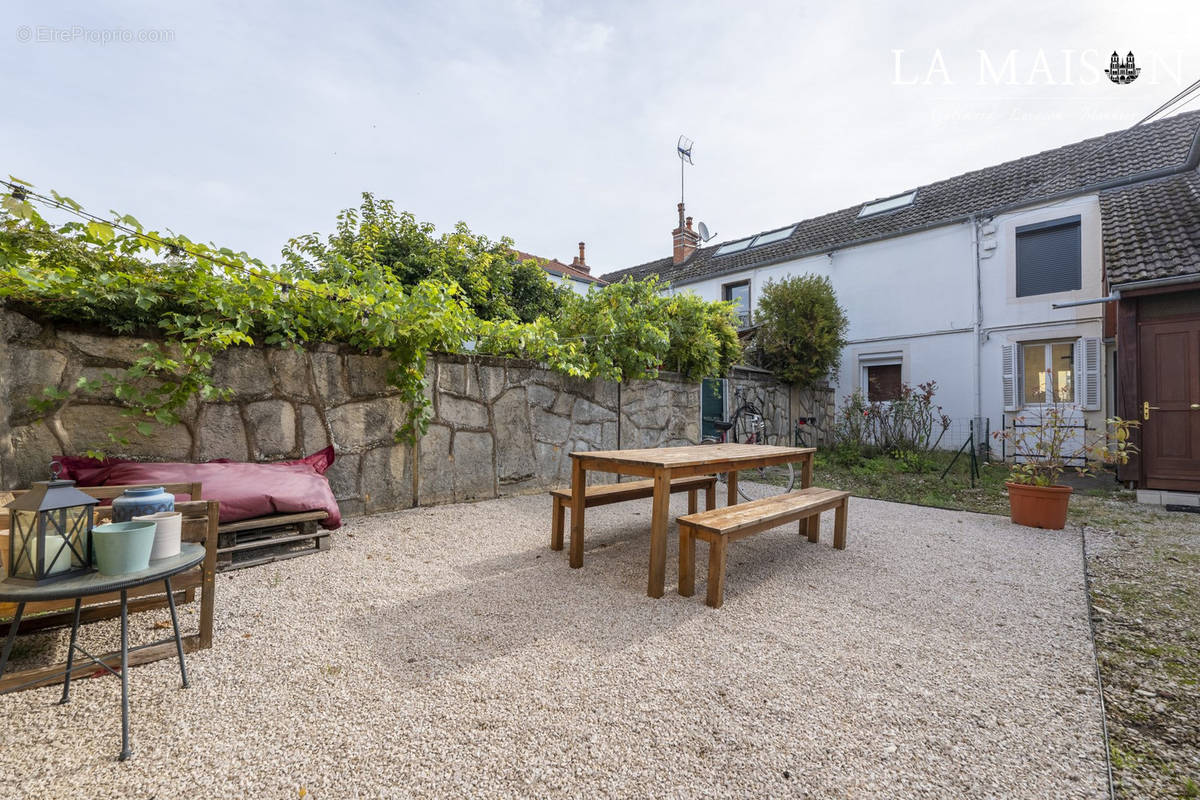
(498, 427)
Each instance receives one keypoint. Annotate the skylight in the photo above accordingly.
(755, 241)
(773, 236)
(734, 247)
(887, 204)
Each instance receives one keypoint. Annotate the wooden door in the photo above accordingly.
(1169, 362)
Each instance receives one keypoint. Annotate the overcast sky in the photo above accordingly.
(248, 123)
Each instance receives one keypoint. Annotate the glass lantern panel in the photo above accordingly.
(24, 544)
(78, 522)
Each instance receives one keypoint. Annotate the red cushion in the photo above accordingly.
(244, 490)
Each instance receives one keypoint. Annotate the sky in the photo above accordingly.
(248, 123)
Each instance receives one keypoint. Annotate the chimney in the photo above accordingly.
(579, 262)
(685, 239)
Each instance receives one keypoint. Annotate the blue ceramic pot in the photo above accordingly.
(137, 502)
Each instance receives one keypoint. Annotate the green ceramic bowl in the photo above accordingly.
(122, 547)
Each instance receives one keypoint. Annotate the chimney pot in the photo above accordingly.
(685, 240)
(582, 262)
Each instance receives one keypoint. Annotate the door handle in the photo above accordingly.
(1195, 406)
(1147, 408)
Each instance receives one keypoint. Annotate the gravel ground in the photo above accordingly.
(447, 652)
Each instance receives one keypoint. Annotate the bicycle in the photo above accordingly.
(747, 425)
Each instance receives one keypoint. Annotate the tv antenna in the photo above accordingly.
(683, 148)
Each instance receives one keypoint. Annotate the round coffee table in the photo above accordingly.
(79, 587)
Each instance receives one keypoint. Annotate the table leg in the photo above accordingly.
(175, 624)
(813, 523)
(658, 532)
(578, 487)
(731, 496)
(14, 626)
(66, 695)
(125, 751)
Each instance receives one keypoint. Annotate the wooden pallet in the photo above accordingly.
(252, 542)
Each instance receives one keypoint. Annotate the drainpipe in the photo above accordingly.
(978, 320)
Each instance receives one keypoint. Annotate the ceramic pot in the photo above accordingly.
(122, 547)
(167, 527)
(1038, 506)
(138, 502)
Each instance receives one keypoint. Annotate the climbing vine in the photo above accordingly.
(382, 283)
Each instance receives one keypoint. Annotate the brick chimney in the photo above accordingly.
(579, 263)
(685, 239)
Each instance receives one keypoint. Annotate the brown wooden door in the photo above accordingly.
(1169, 361)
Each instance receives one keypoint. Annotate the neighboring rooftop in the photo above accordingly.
(1152, 229)
(576, 270)
(1168, 144)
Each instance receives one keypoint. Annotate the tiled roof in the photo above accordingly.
(1152, 229)
(556, 267)
(1164, 144)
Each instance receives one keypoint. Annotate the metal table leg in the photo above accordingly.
(66, 695)
(125, 751)
(14, 626)
(178, 639)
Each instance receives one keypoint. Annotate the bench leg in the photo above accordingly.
(710, 496)
(687, 561)
(812, 526)
(557, 522)
(839, 525)
(716, 572)
(693, 507)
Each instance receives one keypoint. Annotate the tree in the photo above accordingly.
(492, 279)
(802, 329)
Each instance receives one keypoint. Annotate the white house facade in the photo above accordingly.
(986, 283)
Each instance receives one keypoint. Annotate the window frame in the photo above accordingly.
(745, 317)
(866, 360)
(1047, 347)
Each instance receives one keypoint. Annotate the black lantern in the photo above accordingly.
(50, 532)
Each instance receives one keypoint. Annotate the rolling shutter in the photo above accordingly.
(1009, 359)
(1048, 257)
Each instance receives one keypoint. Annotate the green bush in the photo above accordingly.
(802, 329)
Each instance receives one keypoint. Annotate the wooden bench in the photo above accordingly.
(722, 525)
(604, 494)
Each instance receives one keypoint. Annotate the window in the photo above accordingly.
(1048, 372)
(1048, 257)
(887, 204)
(755, 241)
(881, 375)
(882, 381)
(739, 294)
(734, 247)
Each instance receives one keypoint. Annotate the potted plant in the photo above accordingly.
(1045, 447)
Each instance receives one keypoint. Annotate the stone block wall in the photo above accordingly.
(498, 426)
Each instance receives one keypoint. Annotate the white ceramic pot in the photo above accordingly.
(168, 525)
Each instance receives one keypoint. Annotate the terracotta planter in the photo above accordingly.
(1038, 506)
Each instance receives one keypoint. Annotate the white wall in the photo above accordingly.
(915, 296)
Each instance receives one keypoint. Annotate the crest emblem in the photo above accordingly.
(1122, 71)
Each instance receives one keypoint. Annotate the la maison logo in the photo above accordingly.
(1028, 68)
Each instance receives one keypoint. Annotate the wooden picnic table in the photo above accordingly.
(664, 463)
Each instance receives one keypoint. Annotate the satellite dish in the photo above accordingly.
(684, 148)
(704, 234)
